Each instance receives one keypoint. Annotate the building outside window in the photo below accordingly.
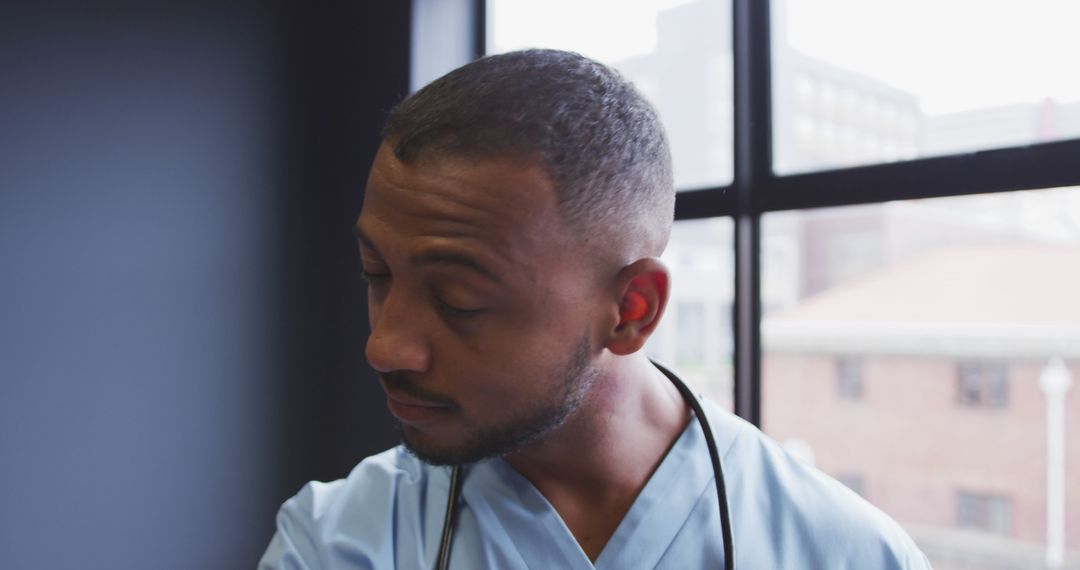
(849, 377)
(886, 275)
(982, 384)
(691, 332)
(984, 512)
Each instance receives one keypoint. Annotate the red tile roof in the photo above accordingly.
(1021, 284)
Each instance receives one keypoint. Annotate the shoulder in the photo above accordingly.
(362, 507)
(372, 485)
(820, 522)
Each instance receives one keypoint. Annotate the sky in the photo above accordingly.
(606, 30)
(953, 54)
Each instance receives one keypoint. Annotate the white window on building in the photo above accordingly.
(827, 92)
(804, 87)
(870, 109)
(804, 128)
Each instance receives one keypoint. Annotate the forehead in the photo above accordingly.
(500, 209)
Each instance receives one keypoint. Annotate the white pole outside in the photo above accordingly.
(1055, 382)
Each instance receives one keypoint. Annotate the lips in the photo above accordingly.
(412, 411)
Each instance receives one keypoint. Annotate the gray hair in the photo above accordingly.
(599, 140)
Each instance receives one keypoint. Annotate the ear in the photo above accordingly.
(640, 296)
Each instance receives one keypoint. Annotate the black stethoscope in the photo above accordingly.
(443, 561)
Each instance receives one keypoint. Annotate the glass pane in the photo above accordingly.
(694, 336)
(677, 52)
(861, 82)
(922, 352)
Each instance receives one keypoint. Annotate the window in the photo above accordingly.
(691, 322)
(899, 223)
(982, 384)
(967, 302)
(984, 512)
(849, 377)
(695, 333)
(678, 53)
(1008, 92)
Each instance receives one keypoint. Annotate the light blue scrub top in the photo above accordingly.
(389, 513)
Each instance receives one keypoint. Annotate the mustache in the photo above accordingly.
(407, 384)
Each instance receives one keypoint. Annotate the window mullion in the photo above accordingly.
(753, 150)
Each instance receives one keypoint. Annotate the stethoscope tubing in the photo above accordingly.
(442, 562)
(717, 465)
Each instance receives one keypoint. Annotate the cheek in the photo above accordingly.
(513, 356)
(499, 368)
(567, 316)
(527, 353)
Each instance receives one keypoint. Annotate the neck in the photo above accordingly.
(593, 466)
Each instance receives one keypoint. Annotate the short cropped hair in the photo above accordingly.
(599, 140)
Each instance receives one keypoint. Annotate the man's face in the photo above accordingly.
(480, 303)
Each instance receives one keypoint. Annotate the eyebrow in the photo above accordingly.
(436, 257)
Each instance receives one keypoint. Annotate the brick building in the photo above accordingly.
(918, 386)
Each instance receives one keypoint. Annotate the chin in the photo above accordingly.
(422, 446)
(440, 456)
(470, 449)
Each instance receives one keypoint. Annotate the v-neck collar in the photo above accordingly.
(658, 513)
(531, 524)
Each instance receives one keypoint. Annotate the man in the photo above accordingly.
(510, 234)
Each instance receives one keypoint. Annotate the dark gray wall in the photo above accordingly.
(181, 321)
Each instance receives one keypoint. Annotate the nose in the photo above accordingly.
(398, 341)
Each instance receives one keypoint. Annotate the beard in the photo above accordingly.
(573, 381)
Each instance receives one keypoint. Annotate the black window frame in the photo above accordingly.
(756, 190)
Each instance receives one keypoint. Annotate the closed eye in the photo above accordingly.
(456, 311)
(374, 277)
